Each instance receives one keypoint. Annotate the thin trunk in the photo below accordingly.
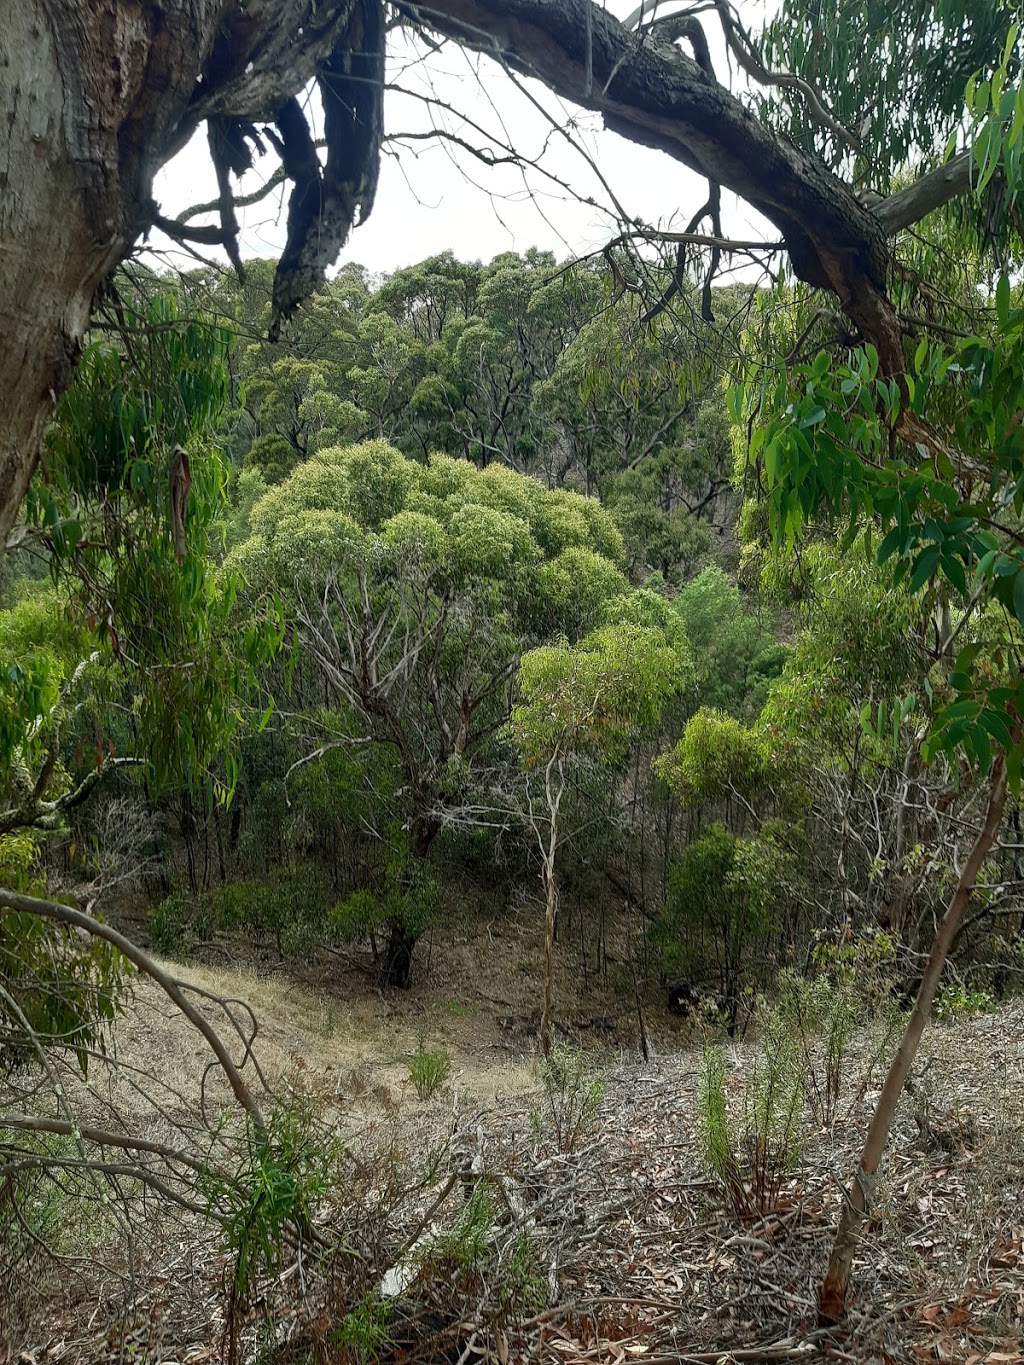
(551, 908)
(832, 1297)
(553, 791)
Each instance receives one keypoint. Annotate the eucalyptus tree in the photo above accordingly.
(82, 201)
(585, 702)
(899, 420)
(413, 589)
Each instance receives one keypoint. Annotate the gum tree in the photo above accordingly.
(583, 703)
(95, 100)
(411, 590)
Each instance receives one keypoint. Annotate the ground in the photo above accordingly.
(616, 1237)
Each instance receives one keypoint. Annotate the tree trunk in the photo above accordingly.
(554, 789)
(397, 968)
(94, 99)
(832, 1297)
(550, 913)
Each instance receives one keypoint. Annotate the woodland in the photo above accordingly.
(510, 770)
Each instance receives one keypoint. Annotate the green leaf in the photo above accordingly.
(924, 566)
(1018, 596)
(892, 542)
(954, 571)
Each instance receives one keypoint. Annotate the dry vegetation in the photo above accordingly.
(512, 1220)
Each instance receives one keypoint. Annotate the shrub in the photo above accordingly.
(429, 1071)
(823, 1013)
(724, 894)
(169, 925)
(960, 1001)
(752, 1154)
(365, 1329)
(273, 1189)
(59, 988)
(573, 1090)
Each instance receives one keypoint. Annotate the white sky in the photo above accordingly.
(433, 197)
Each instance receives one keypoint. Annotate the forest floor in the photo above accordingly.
(634, 1254)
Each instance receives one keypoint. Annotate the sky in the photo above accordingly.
(434, 197)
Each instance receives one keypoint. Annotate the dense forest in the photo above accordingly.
(510, 835)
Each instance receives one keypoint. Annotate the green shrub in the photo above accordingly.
(824, 1013)
(59, 988)
(287, 909)
(170, 927)
(958, 1001)
(271, 1193)
(365, 1330)
(725, 894)
(753, 1152)
(428, 1072)
(573, 1090)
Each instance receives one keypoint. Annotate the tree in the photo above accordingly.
(412, 590)
(864, 430)
(82, 205)
(578, 703)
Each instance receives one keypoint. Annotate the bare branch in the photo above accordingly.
(173, 988)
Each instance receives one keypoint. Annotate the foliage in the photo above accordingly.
(573, 1090)
(433, 576)
(901, 110)
(429, 1071)
(836, 441)
(287, 909)
(718, 755)
(751, 1148)
(956, 1001)
(137, 567)
(169, 927)
(725, 893)
(45, 659)
(58, 989)
(823, 1012)
(273, 1189)
(365, 1330)
(518, 362)
(596, 694)
(735, 654)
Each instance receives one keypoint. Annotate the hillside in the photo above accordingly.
(632, 1254)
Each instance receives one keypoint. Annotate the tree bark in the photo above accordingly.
(94, 98)
(833, 1294)
(554, 788)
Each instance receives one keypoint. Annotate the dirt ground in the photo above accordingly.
(476, 996)
(640, 1256)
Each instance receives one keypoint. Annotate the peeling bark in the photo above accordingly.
(96, 95)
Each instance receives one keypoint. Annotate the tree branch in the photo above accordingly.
(172, 988)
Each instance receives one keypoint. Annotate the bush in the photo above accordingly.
(751, 1154)
(288, 909)
(724, 894)
(169, 925)
(428, 1072)
(823, 1013)
(365, 1330)
(959, 1001)
(573, 1090)
(59, 988)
